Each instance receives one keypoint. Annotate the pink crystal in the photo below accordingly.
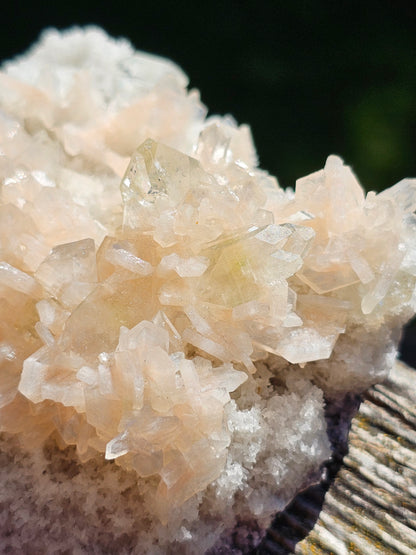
(151, 288)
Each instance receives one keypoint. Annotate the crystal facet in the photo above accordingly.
(165, 303)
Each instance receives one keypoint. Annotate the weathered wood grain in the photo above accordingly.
(370, 506)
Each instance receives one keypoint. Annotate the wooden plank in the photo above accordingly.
(368, 505)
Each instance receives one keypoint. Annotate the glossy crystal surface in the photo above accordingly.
(165, 303)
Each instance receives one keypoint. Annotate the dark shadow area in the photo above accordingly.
(407, 348)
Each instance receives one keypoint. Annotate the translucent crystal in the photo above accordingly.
(189, 267)
(18, 280)
(119, 255)
(166, 304)
(69, 271)
(403, 195)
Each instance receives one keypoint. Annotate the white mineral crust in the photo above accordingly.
(165, 302)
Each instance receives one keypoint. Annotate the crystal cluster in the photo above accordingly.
(164, 302)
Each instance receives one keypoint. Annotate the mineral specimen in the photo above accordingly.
(165, 303)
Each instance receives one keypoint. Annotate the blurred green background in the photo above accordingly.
(311, 78)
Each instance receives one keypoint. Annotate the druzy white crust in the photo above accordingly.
(165, 303)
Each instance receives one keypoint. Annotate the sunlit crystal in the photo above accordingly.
(165, 303)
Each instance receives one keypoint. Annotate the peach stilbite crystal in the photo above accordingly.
(164, 302)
